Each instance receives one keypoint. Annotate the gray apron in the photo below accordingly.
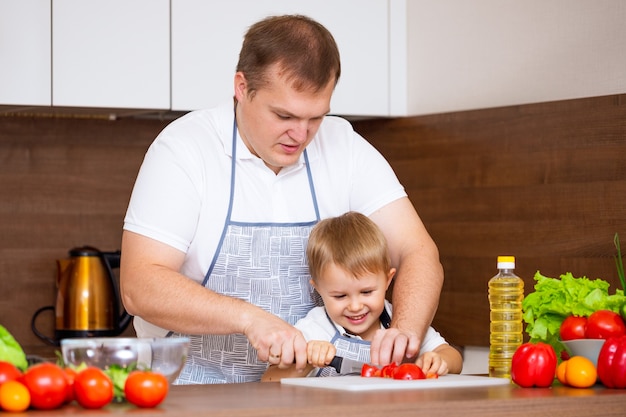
(265, 265)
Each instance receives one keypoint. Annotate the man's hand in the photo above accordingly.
(277, 342)
(393, 345)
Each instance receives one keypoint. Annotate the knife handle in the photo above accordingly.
(336, 363)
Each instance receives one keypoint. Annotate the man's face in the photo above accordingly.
(278, 122)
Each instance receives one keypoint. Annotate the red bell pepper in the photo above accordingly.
(534, 365)
(612, 363)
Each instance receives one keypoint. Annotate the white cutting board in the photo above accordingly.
(358, 383)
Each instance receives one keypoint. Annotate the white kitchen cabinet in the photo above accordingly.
(111, 53)
(416, 57)
(25, 63)
(206, 40)
(490, 53)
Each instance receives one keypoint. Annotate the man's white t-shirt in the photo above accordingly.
(182, 191)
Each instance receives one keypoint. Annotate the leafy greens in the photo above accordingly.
(554, 299)
(10, 350)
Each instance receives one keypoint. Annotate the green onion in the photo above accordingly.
(618, 262)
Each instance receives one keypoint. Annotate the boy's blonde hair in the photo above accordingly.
(351, 241)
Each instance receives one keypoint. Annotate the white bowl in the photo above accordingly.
(589, 348)
(165, 355)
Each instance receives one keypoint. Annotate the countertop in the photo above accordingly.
(275, 399)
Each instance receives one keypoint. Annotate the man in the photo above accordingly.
(215, 234)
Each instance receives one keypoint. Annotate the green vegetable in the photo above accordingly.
(11, 351)
(118, 375)
(618, 262)
(555, 299)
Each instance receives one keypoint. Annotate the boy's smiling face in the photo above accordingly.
(354, 303)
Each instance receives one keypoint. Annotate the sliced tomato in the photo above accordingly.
(432, 375)
(388, 371)
(408, 371)
(369, 371)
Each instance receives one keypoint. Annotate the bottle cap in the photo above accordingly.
(506, 262)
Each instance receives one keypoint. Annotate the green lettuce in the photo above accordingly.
(10, 350)
(554, 299)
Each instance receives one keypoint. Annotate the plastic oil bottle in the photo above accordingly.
(506, 292)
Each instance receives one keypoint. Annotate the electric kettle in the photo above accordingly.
(88, 303)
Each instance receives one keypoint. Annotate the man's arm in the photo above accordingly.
(152, 288)
(417, 286)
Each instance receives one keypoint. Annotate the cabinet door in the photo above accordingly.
(25, 52)
(111, 53)
(206, 40)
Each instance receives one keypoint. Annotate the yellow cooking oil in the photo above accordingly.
(506, 292)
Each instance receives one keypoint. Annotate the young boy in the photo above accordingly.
(350, 269)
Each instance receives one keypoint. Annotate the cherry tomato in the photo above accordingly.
(573, 327)
(93, 388)
(387, 371)
(369, 371)
(603, 324)
(14, 396)
(578, 372)
(408, 371)
(47, 385)
(8, 372)
(145, 388)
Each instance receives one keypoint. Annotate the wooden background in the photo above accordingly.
(544, 182)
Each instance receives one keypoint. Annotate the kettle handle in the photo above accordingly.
(33, 326)
(112, 261)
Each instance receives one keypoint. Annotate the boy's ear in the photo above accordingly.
(390, 276)
(313, 284)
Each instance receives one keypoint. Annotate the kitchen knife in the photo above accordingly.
(345, 366)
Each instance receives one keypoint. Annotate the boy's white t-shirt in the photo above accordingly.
(317, 326)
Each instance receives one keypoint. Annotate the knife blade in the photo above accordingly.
(345, 366)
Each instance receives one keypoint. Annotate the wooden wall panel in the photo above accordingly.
(544, 182)
(64, 182)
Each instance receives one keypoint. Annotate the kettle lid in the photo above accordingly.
(84, 251)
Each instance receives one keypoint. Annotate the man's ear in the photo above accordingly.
(241, 86)
(390, 275)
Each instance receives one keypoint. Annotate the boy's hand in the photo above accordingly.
(432, 362)
(320, 353)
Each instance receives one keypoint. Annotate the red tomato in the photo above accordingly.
(533, 365)
(47, 385)
(70, 376)
(603, 324)
(387, 371)
(93, 388)
(145, 389)
(573, 327)
(8, 372)
(408, 371)
(369, 371)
